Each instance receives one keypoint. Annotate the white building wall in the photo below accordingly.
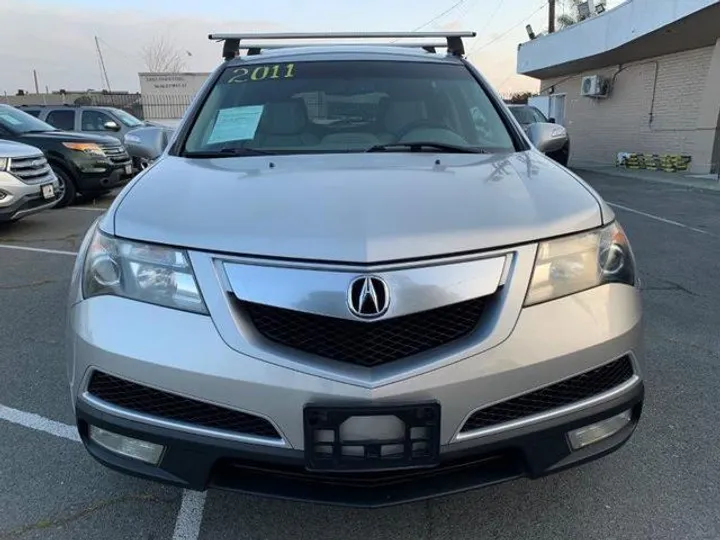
(632, 120)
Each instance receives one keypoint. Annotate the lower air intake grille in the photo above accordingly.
(366, 344)
(141, 399)
(569, 391)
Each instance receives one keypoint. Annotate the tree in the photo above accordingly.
(520, 98)
(568, 19)
(161, 56)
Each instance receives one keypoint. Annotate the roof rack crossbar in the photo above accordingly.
(231, 45)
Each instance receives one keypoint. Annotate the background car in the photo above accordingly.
(27, 183)
(96, 120)
(528, 115)
(83, 163)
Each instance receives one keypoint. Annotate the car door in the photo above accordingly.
(93, 121)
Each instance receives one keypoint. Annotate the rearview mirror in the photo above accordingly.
(111, 126)
(547, 137)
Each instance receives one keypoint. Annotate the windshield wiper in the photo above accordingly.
(421, 145)
(228, 152)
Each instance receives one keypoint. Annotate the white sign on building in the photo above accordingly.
(165, 96)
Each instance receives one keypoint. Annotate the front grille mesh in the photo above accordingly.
(569, 391)
(142, 399)
(366, 344)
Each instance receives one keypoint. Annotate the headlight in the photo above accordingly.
(576, 263)
(143, 272)
(557, 132)
(3, 164)
(88, 148)
(132, 138)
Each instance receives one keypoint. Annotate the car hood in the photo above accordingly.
(358, 208)
(10, 149)
(68, 136)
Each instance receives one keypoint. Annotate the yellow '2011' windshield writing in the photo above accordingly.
(261, 73)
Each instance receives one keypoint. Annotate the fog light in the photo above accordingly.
(127, 446)
(587, 435)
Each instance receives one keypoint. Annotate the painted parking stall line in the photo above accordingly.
(661, 219)
(189, 518)
(39, 250)
(192, 506)
(39, 423)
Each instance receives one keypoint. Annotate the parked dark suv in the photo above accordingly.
(97, 120)
(86, 164)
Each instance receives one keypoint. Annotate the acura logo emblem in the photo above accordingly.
(368, 297)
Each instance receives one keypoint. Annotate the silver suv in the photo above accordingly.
(336, 285)
(27, 183)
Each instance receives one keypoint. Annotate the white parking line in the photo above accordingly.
(87, 208)
(39, 250)
(192, 506)
(658, 218)
(189, 519)
(39, 423)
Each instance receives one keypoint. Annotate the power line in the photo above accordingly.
(506, 32)
(492, 16)
(456, 5)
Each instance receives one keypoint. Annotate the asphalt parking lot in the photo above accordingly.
(664, 484)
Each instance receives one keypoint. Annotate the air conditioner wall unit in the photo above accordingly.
(595, 86)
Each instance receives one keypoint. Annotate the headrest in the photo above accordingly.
(399, 114)
(284, 118)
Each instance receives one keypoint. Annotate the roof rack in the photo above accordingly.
(453, 40)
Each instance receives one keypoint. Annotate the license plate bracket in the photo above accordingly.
(418, 447)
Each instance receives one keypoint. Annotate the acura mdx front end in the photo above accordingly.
(341, 284)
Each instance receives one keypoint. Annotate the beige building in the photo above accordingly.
(641, 78)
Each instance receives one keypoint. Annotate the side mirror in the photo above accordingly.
(111, 126)
(551, 120)
(547, 137)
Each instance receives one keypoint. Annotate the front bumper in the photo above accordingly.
(104, 178)
(185, 355)
(21, 199)
(196, 462)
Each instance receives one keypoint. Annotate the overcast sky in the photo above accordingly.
(56, 37)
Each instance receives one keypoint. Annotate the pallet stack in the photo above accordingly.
(653, 162)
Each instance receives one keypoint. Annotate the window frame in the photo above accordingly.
(73, 112)
(95, 111)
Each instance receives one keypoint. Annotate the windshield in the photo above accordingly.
(17, 121)
(128, 119)
(346, 106)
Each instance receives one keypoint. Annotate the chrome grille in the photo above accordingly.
(31, 170)
(116, 153)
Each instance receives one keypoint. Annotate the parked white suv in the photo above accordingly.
(27, 183)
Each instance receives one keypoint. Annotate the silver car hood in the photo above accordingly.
(10, 149)
(359, 208)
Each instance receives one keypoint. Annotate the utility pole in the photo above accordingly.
(102, 65)
(551, 16)
(37, 88)
(104, 71)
